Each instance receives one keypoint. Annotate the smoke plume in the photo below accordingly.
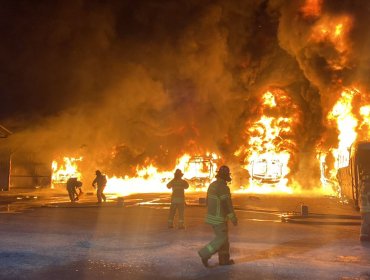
(127, 83)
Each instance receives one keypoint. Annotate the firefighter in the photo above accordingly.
(178, 185)
(364, 202)
(99, 183)
(219, 211)
(79, 187)
(72, 185)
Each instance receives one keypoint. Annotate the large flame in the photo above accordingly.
(270, 145)
(352, 123)
(63, 171)
(198, 170)
(346, 123)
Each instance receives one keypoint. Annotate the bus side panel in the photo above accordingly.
(355, 179)
(345, 182)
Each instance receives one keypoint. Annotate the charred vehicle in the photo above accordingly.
(62, 172)
(200, 170)
(266, 171)
(351, 168)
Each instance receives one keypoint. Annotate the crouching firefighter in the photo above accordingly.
(178, 185)
(219, 211)
(365, 207)
(72, 185)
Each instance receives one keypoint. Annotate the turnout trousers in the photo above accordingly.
(100, 195)
(219, 244)
(180, 206)
(72, 194)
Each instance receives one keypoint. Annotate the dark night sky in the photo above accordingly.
(56, 54)
(150, 78)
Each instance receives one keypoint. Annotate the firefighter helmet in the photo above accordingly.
(97, 172)
(178, 173)
(224, 173)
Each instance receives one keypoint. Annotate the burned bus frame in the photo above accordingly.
(266, 171)
(349, 176)
(201, 181)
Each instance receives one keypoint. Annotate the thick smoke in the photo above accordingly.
(126, 83)
(329, 65)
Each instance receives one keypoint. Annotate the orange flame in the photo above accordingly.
(312, 8)
(365, 123)
(346, 124)
(334, 30)
(267, 154)
(198, 170)
(351, 128)
(61, 173)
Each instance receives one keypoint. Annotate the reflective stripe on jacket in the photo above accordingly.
(219, 204)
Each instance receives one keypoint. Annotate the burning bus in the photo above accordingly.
(61, 172)
(350, 170)
(200, 170)
(267, 171)
(270, 143)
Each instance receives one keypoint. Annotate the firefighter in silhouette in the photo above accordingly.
(364, 203)
(72, 185)
(219, 211)
(178, 185)
(99, 183)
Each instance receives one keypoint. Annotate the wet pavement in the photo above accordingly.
(50, 238)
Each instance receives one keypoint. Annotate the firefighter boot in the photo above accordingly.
(204, 260)
(224, 259)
